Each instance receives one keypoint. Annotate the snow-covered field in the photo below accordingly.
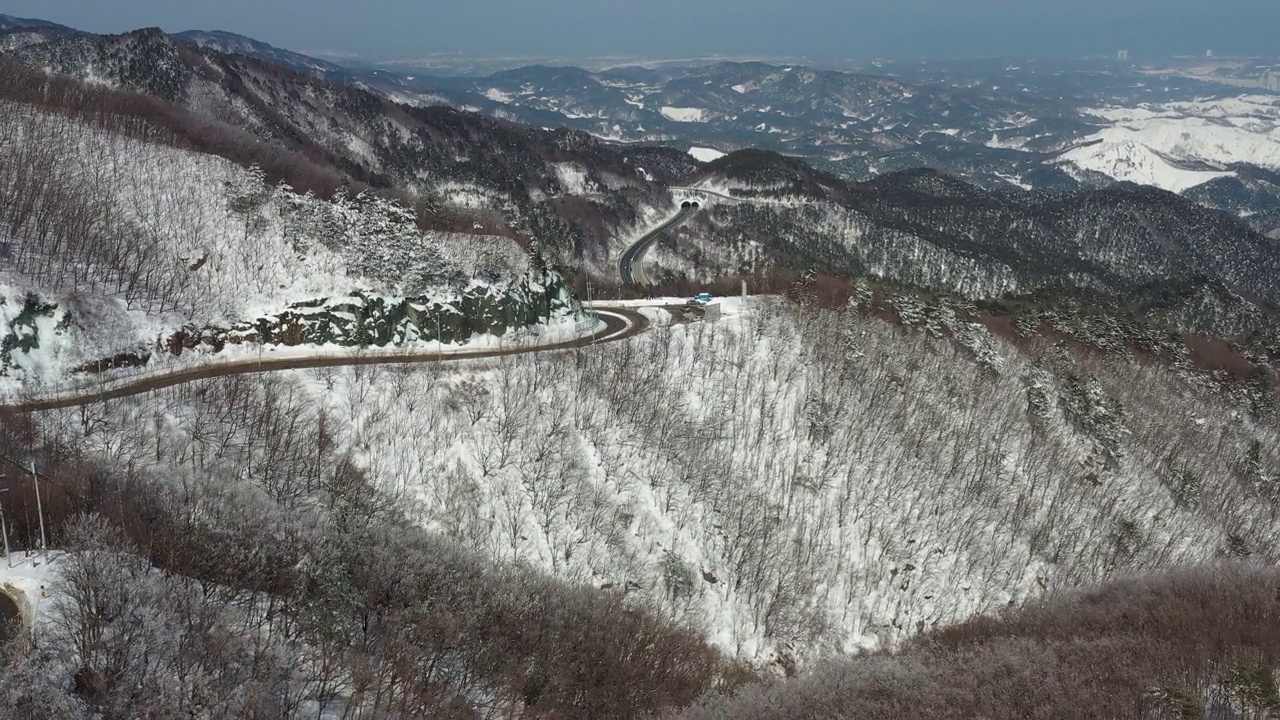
(685, 114)
(704, 154)
(1177, 146)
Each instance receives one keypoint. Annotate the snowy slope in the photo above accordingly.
(187, 241)
(35, 342)
(793, 482)
(225, 42)
(685, 114)
(28, 578)
(1177, 146)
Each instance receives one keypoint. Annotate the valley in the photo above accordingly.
(703, 390)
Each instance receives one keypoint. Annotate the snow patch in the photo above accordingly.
(35, 342)
(497, 95)
(1014, 180)
(28, 579)
(703, 154)
(573, 178)
(682, 114)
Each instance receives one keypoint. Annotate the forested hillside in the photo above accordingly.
(960, 445)
(790, 497)
(122, 240)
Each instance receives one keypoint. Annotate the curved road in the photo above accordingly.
(790, 201)
(620, 323)
(626, 265)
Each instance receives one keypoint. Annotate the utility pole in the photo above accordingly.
(4, 530)
(439, 340)
(591, 312)
(35, 479)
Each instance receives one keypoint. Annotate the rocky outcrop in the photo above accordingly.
(368, 320)
(30, 332)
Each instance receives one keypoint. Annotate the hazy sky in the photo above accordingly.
(854, 29)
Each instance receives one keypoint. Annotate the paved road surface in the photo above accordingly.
(627, 264)
(620, 323)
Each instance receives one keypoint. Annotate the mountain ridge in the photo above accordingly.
(466, 168)
(233, 43)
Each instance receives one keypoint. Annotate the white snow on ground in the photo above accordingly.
(1177, 146)
(248, 355)
(574, 179)
(43, 350)
(1014, 180)
(227, 247)
(30, 576)
(783, 479)
(744, 192)
(682, 114)
(497, 95)
(727, 474)
(417, 99)
(704, 154)
(467, 195)
(362, 149)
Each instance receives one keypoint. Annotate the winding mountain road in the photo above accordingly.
(620, 324)
(627, 267)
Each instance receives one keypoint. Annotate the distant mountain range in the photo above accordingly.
(1057, 126)
(8, 23)
(1008, 215)
(232, 44)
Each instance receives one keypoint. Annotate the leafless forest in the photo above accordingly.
(791, 484)
(861, 496)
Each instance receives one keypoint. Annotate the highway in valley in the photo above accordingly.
(631, 273)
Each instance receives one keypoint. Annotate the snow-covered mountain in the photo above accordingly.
(577, 197)
(9, 23)
(1033, 125)
(231, 43)
(226, 255)
(1002, 126)
(1177, 146)
(947, 396)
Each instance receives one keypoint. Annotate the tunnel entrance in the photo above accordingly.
(686, 204)
(10, 619)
